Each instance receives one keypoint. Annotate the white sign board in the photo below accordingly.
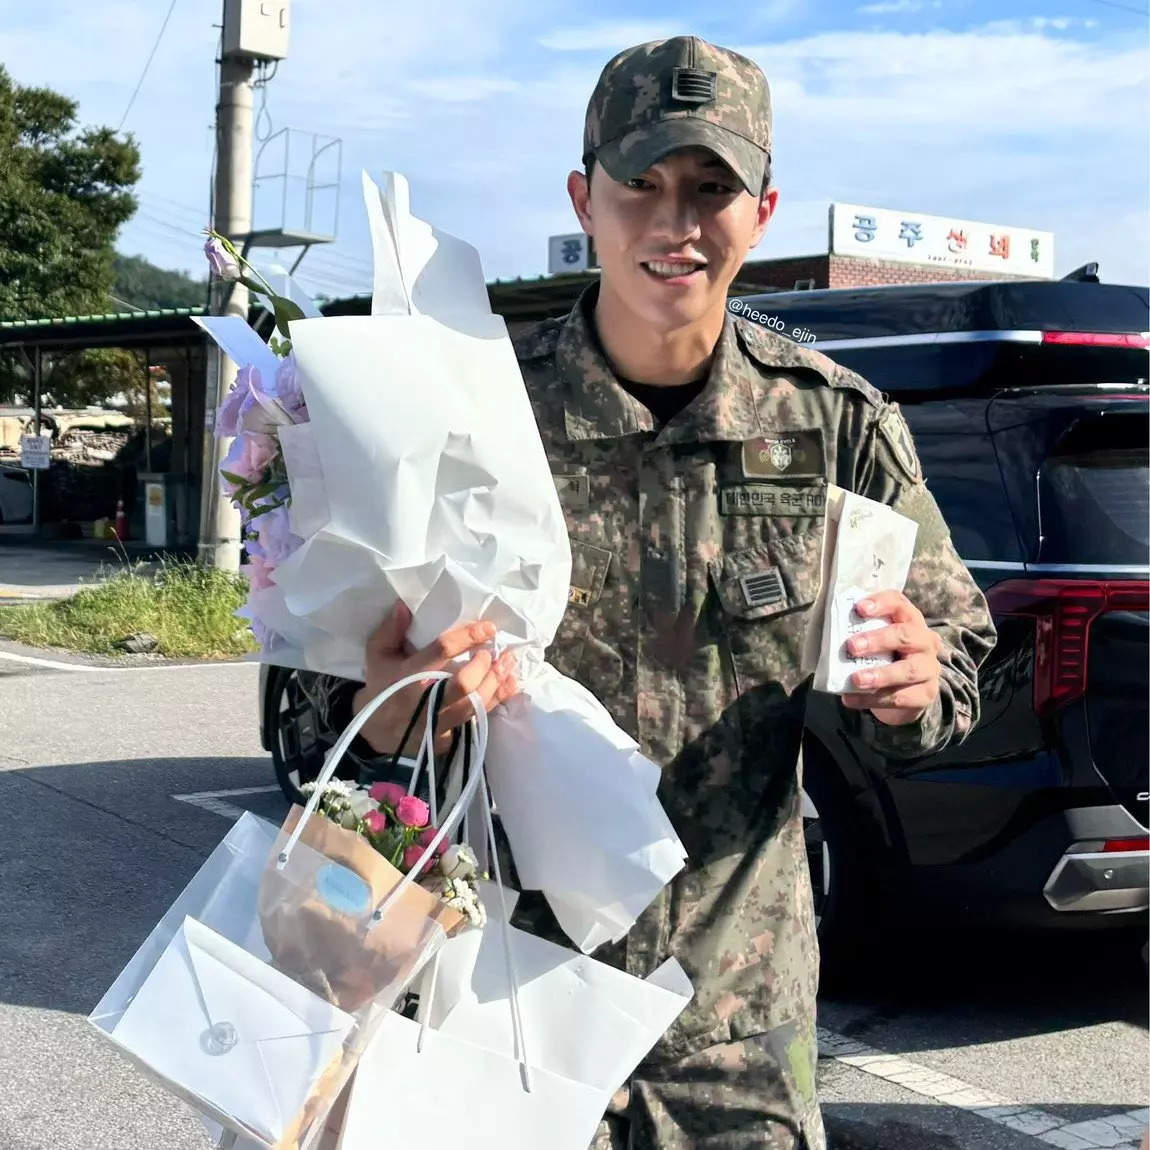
(155, 515)
(915, 238)
(567, 254)
(35, 452)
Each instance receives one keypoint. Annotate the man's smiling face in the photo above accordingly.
(671, 241)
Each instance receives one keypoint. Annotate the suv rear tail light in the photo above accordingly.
(1099, 338)
(1063, 610)
(1116, 846)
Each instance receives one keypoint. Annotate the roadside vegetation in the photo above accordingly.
(186, 608)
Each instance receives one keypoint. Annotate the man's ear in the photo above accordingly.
(580, 192)
(766, 209)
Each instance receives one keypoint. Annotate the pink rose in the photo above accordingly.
(389, 793)
(425, 838)
(375, 822)
(411, 856)
(249, 456)
(412, 811)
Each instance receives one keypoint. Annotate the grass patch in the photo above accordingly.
(189, 608)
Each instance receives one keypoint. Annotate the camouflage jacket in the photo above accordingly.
(663, 525)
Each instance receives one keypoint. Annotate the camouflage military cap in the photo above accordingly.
(668, 94)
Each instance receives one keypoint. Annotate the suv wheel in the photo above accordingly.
(297, 752)
(841, 882)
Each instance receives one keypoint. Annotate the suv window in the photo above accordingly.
(1094, 493)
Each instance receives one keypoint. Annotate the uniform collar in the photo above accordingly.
(597, 407)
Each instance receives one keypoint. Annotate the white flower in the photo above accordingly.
(349, 820)
(360, 803)
(459, 862)
(339, 787)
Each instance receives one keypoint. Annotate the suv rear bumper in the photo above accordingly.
(1089, 878)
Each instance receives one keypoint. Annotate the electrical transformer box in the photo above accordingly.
(256, 28)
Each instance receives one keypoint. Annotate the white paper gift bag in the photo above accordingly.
(577, 799)
(520, 1043)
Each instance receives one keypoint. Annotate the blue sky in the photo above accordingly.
(1024, 114)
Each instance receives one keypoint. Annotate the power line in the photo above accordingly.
(147, 65)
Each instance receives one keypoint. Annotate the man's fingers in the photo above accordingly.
(892, 605)
(447, 646)
(920, 668)
(905, 638)
(915, 698)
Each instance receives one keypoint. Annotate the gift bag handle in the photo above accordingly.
(477, 779)
(340, 749)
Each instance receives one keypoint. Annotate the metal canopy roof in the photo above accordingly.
(109, 329)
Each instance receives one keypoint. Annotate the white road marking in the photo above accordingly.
(55, 665)
(1119, 1131)
(47, 662)
(213, 800)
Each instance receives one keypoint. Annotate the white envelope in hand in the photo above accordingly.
(227, 1029)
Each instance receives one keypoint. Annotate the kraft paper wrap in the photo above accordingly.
(328, 951)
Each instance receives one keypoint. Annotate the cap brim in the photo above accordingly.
(631, 155)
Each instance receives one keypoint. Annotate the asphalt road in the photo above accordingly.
(109, 788)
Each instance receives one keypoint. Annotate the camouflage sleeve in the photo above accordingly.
(939, 585)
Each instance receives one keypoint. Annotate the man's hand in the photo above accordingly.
(899, 692)
(390, 659)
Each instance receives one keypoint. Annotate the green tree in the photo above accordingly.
(64, 192)
(144, 285)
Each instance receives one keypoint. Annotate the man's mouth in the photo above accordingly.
(673, 269)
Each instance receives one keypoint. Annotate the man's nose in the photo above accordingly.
(676, 217)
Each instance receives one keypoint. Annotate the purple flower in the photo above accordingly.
(238, 402)
(275, 535)
(223, 264)
(288, 390)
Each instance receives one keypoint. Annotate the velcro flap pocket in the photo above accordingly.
(771, 578)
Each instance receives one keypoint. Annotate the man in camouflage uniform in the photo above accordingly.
(691, 450)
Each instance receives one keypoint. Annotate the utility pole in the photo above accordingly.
(252, 30)
(219, 520)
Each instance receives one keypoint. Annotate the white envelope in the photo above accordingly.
(223, 1027)
(867, 547)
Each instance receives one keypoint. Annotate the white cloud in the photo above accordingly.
(891, 7)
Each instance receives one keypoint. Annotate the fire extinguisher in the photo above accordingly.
(121, 527)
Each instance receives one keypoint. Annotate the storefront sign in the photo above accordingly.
(35, 452)
(914, 238)
(573, 253)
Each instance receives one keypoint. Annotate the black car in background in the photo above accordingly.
(1029, 406)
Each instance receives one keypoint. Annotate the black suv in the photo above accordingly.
(1029, 406)
(1028, 403)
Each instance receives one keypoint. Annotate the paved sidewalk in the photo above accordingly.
(43, 570)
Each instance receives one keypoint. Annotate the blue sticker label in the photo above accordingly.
(342, 889)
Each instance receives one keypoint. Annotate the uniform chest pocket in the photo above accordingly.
(765, 594)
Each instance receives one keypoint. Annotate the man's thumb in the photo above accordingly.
(389, 635)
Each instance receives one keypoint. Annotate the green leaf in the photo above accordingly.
(286, 310)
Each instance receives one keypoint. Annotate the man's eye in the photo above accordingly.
(638, 183)
(716, 189)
